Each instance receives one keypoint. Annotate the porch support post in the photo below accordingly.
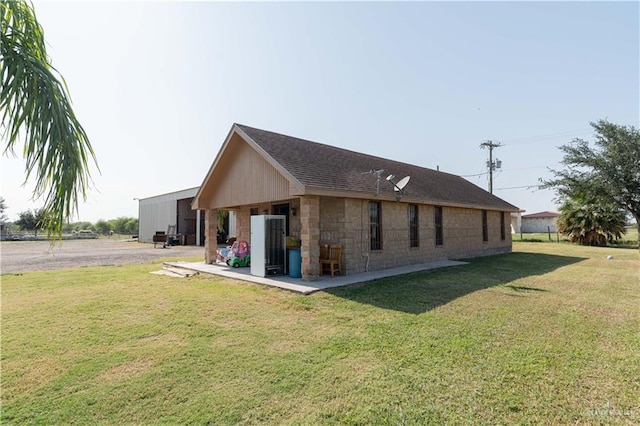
(210, 235)
(310, 236)
(198, 212)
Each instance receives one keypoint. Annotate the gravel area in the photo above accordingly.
(22, 256)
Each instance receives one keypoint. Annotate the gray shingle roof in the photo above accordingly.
(543, 214)
(321, 166)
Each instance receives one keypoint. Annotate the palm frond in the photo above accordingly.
(37, 110)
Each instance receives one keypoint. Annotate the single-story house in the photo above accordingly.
(539, 222)
(333, 195)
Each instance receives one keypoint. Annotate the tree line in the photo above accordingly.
(120, 225)
(35, 221)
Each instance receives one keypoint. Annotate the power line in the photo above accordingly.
(505, 170)
(524, 168)
(566, 133)
(538, 138)
(477, 174)
(519, 187)
(522, 141)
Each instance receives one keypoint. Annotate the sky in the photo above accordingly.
(158, 85)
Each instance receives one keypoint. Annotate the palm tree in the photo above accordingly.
(591, 222)
(36, 110)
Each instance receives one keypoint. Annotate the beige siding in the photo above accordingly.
(243, 177)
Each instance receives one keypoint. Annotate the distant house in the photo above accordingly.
(539, 222)
(333, 195)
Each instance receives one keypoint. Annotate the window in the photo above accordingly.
(485, 227)
(502, 223)
(413, 226)
(438, 222)
(253, 211)
(375, 225)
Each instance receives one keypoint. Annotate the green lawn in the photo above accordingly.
(546, 335)
(629, 240)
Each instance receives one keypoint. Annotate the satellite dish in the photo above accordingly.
(399, 187)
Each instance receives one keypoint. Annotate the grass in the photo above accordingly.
(545, 335)
(538, 237)
(629, 240)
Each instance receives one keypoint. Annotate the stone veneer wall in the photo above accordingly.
(210, 235)
(346, 221)
(310, 236)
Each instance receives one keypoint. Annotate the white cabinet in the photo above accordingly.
(268, 246)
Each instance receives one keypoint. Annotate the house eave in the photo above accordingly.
(324, 192)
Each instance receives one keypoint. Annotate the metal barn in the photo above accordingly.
(159, 212)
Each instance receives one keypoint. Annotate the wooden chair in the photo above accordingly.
(172, 237)
(331, 258)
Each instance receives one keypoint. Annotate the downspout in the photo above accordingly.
(366, 266)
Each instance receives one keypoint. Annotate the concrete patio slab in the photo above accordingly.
(307, 287)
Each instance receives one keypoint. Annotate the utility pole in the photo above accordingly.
(491, 164)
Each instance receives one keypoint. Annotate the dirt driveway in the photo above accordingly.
(22, 256)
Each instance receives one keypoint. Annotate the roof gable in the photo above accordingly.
(243, 174)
